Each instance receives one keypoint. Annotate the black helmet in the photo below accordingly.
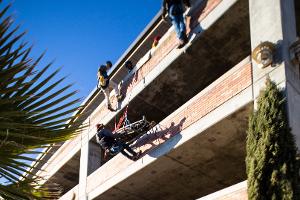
(102, 68)
(108, 63)
(99, 126)
(128, 64)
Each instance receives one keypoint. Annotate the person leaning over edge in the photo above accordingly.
(111, 144)
(104, 83)
(129, 66)
(175, 10)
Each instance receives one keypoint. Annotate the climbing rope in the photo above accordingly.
(124, 118)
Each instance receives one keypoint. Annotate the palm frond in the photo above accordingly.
(35, 112)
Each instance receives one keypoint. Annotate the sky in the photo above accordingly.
(79, 35)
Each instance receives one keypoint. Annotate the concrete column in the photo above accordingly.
(84, 153)
(95, 157)
(274, 21)
(90, 160)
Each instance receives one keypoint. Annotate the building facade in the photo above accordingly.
(200, 96)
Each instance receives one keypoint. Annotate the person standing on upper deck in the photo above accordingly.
(104, 83)
(129, 66)
(175, 10)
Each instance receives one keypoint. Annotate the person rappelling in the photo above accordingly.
(113, 145)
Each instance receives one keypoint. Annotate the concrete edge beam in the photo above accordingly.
(71, 194)
(237, 191)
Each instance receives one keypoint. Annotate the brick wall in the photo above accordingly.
(205, 8)
(202, 104)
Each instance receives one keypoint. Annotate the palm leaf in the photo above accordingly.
(49, 112)
(51, 104)
(4, 10)
(42, 93)
(33, 80)
(46, 99)
(34, 111)
(8, 45)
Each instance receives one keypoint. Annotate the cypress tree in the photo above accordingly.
(271, 152)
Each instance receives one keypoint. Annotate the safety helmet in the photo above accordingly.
(102, 68)
(129, 65)
(99, 126)
(128, 62)
(156, 38)
(108, 63)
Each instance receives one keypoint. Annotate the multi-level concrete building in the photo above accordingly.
(200, 97)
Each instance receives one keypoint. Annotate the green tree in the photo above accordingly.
(35, 112)
(271, 151)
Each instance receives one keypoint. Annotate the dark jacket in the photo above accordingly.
(167, 4)
(103, 78)
(105, 138)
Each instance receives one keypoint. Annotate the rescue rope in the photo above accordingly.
(124, 118)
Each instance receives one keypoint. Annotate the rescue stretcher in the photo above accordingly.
(130, 132)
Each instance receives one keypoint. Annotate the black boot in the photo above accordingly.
(137, 156)
(183, 41)
(120, 97)
(109, 107)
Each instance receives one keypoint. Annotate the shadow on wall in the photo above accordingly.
(130, 82)
(159, 136)
(195, 18)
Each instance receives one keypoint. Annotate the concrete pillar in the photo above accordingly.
(95, 157)
(274, 21)
(83, 166)
(90, 160)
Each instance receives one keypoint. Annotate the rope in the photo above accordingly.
(124, 117)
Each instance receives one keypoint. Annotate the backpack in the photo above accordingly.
(103, 79)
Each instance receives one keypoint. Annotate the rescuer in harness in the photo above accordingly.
(104, 83)
(175, 11)
(113, 145)
(129, 66)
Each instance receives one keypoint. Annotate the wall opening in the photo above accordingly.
(67, 176)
